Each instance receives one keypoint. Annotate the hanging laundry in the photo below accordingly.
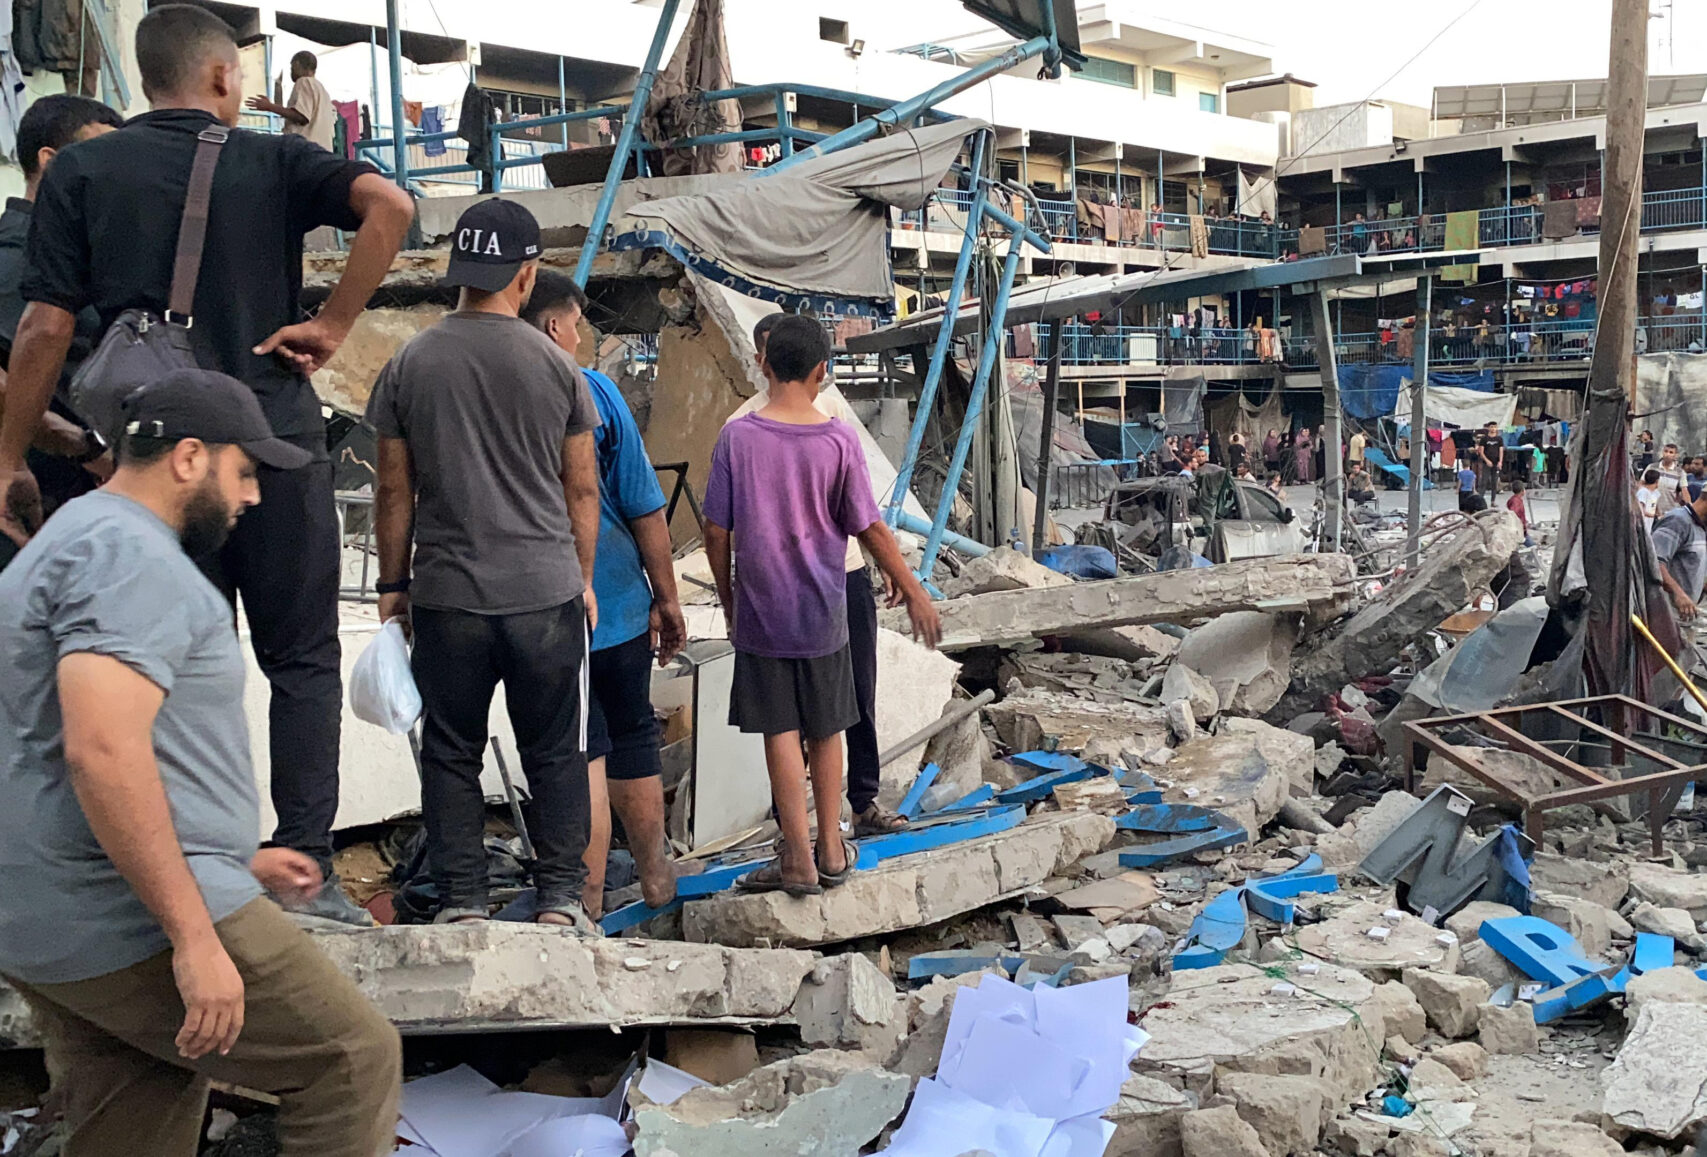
(474, 125)
(1559, 220)
(349, 124)
(1025, 343)
(433, 121)
(1588, 212)
(367, 123)
(412, 112)
(1463, 231)
(1199, 237)
(1132, 225)
(1111, 223)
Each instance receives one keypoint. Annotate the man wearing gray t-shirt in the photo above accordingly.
(486, 518)
(132, 918)
(1680, 544)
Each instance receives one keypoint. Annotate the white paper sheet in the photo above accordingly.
(462, 1114)
(665, 1084)
(1077, 1050)
(583, 1136)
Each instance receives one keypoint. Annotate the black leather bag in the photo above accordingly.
(142, 345)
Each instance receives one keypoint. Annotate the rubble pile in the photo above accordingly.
(1165, 894)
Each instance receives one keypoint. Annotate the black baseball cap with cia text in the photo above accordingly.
(493, 240)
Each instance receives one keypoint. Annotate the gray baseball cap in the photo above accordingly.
(211, 406)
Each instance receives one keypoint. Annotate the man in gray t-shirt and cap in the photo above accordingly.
(1680, 543)
(132, 917)
(486, 518)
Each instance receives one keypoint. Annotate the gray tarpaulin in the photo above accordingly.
(820, 226)
(1669, 391)
(1182, 402)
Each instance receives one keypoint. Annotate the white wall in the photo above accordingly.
(1337, 127)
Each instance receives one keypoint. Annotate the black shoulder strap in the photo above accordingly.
(192, 231)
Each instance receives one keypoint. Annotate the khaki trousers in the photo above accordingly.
(309, 1037)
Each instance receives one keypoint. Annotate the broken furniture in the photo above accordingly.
(1646, 771)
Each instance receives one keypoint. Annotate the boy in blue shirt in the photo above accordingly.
(634, 581)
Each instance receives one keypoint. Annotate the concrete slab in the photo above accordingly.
(907, 892)
(1028, 722)
(1344, 939)
(1317, 583)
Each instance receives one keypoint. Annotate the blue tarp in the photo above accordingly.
(1373, 391)
(1378, 459)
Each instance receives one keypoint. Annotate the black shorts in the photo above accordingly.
(812, 696)
(621, 728)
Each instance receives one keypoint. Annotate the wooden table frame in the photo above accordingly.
(1662, 787)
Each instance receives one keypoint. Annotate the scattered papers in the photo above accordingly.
(1025, 1073)
(460, 1113)
(664, 1084)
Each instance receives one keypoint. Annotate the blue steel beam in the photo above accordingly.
(624, 143)
(903, 113)
(944, 338)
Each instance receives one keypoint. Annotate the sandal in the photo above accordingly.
(769, 879)
(878, 821)
(850, 854)
(575, 919)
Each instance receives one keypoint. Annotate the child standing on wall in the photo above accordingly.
(790, 486)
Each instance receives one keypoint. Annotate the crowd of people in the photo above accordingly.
(521, 538)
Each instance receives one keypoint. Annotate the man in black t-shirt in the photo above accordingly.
(1490, 460)
(104, 235)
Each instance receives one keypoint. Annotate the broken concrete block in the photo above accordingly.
(1182, 720)
(1003, 569)
(962, 752)
(1031, 933)
(1142, 940)
(1318, 584)
(1401, 1051)
(1181, 682)
(820, 1104)
(1432, 1081)
(914, 685)
(1408, 942)
(847, 1002)
(1356, 1137)
(1451, 1003)
(1147, 1118)
(1293, 753)
(496, 973)
(1466, 923)
(1604, 882)
(1667, 888)
(1478, 959)
(1468, 1061)
(1031, 721)
(1508, 1031)
(1235, 773)
(1218, 1132)
(1589, 924)
(1076, 931)
(1246, 656)
(905, 892)
(1373, 825)
(1131, 644)
(717, 1057)
(1673, 922)
(928, 1011)
(1400, 1013)
(1663, 986)
(1571, 1139)
(1658, 1082)
(1287, 1112)
(1373, 638)
(1228, 1018)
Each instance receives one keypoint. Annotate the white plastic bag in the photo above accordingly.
(382, 687)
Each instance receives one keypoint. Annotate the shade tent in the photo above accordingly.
(1462, 408)
(818, 227)
(1374, 391)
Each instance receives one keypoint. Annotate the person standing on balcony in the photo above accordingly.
(104, 236)
(309, 112)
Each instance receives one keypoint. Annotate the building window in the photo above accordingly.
(1109, 72)
(1209, 101)
(835, 31)
(1161, 82)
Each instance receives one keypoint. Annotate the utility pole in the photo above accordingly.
(1607, 528)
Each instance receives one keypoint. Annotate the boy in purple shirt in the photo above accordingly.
(791, 486)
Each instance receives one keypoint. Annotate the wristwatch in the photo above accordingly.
(93, 447)
(401, 586)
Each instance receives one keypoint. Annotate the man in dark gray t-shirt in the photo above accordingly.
(486, 518)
